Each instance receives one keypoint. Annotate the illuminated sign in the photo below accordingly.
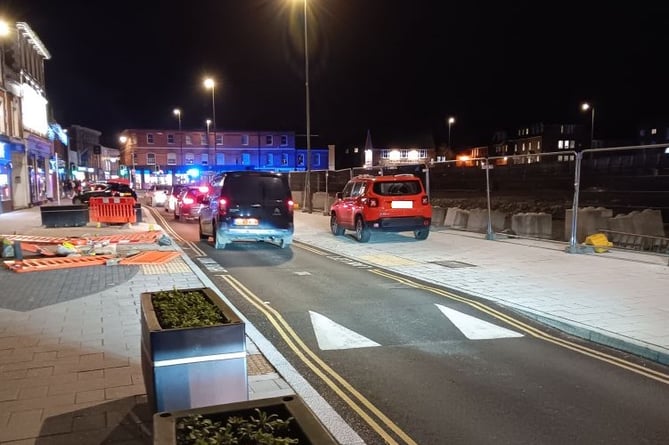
(34, 110)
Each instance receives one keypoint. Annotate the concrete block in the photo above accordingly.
(532, 225)
(438, 216)
(478, 220)
(451, 213)
(460, 219)
(590, 221)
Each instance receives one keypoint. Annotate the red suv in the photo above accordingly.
(369, 203)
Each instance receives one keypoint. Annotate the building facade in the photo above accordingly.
(155, 156)
(26, 174)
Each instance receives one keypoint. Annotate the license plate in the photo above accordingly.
(246, 221)
(401, 204)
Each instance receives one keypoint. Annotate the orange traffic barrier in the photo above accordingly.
(112, 210)
(55, 263)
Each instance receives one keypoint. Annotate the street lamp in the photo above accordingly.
(307, 182)
(177, 113)
(208, 122)
(210, 84)
(451, 121)
(585, 107)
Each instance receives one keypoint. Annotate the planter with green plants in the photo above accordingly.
(193, 350)
(272, 421)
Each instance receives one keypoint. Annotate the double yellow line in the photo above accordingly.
(532, 331)
(380, 423)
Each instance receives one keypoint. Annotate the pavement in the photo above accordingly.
(70, 368)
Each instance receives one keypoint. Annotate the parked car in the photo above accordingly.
(189, 202)
(369, 203)
(248, 206)
(104, 189)
(156, 196)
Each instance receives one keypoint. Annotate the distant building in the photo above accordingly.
(158, 156)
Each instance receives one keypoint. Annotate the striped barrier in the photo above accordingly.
(112, 210)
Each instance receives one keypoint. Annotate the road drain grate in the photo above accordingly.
(453, 264)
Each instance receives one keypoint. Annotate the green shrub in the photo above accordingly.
(186, 309)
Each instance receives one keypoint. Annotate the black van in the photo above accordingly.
(248, 206)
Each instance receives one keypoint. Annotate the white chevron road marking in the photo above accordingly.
(332, 336)
(475, 329)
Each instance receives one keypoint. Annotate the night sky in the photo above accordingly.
(397, 68)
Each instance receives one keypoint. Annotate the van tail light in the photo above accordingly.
(291, 206)
(425, 200)
(222, 206)
(372, 202)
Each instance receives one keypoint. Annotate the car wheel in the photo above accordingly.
(421, 234)
(335, 228)
(202, 235)
(362, 232)
(217, 241)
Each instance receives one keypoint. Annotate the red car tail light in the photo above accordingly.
(188, 200)
(291, 206)
(222, 206)
(425, 200)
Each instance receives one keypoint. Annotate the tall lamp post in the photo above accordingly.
(208, 122)
(585, 106)
(451, 121)
(210, 84)
(307, 182)
(177, 113)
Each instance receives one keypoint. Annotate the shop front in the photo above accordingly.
(6, 204)
(38, 154)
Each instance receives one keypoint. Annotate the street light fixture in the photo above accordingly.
(210, 84)
(177, 113)
(451, 121)
(208, 122)
(585, 106)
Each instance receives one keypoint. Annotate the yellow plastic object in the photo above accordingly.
(599, 241)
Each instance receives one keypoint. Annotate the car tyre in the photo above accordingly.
(362, 232)
(335, 228)
(421, 234)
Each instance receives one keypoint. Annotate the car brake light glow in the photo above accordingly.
(222, 206)
(204, 189)
(291, 205)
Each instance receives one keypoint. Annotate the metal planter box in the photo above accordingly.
(305, 426)
(193, 367)
(64, 216)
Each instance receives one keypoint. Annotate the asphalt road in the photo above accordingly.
(404, 362)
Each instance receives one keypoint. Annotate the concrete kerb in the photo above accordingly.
(609, 339)
(344, 434)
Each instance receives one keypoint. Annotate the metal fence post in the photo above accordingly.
(573, 246)
(490, 235)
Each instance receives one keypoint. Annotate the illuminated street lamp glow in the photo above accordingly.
(210, 84)
(585, 106)
(451, 121)
(4, 28)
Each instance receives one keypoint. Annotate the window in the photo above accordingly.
(269, 139)
(150, 159)
(219, 139)
(203, 139)
(190, 159)
(220, 158)
(284, 140)
(170, 139)
(171, 159)
(204, 159)
(246, 159)
(316, 159)
(149, 138)
(653, 131)
(189, 141)
(245, 139)
(560, 144)
(384, 154)
(422, 153)
(270, 159)
(284, 158)
(300, 159)
(404, 153)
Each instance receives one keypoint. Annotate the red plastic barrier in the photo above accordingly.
(112, 210)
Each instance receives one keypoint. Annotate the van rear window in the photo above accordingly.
(256, 188)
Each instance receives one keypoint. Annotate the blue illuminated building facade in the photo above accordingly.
(173, 157)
